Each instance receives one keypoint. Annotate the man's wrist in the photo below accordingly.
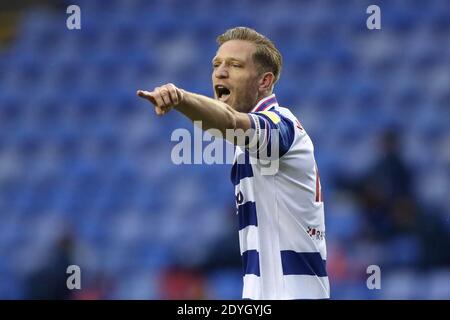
(182, 96)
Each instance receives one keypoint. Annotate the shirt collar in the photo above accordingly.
(266, 103)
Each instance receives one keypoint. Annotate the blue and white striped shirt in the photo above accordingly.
(281, 215)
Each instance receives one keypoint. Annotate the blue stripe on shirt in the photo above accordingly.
(247, 215)
(250, 262)
(303, 263)
(241, 169)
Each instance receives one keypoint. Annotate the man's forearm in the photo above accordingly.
(213, 113)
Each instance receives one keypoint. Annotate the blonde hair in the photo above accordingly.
(266, 56)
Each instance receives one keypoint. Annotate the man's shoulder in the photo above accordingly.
(288, 114)
(285, 112)
(277, 114)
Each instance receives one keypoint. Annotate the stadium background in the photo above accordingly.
(85, 170)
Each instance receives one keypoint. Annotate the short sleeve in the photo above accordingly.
(270, 130)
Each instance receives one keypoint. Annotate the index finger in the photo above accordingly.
(146, 95)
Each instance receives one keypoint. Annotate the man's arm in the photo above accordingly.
(213, 113)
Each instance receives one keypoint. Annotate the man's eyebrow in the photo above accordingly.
(227, 59)
(236, 60)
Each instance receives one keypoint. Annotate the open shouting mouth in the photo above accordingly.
(222, 92)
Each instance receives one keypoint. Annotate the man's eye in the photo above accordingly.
(236, 65)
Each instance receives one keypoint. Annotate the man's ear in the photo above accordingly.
(266, 81)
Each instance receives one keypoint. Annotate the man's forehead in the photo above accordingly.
(237, 49)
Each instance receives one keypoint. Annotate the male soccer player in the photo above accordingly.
(281, 215)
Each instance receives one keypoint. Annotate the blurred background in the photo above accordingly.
(86, 176)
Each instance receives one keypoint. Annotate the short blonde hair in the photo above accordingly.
(266, 56)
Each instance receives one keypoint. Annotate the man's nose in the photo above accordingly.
(221, 72)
